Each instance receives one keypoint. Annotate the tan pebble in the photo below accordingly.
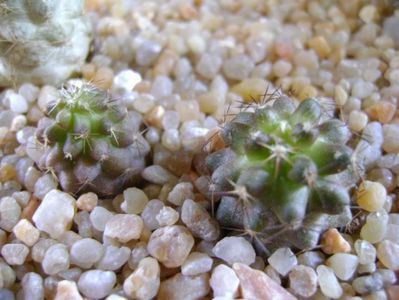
(307, 91)
(381, 111)
(214, 140)
(340, 95)
(320, 45)
(154, 116)
(165, 63)
(209, 102)
(188, 110)
(369, 14)
(88, 71)
(7, 172)
(187, 11)
(371, 196)
(256, 284)
(143, 87)
(87, 201)
(251, 89)
(393, 292)
(357, 120)
(26, 232)
(30, 209)
(332, 242)
(67, 290)
(103, 78)
(283, 50)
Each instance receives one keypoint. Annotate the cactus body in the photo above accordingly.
(275, 177)
(41, 41)
(91, 142)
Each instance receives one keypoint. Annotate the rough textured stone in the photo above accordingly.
(124, 228)
(55, 213)
(180, 287)
(67, 290)
(143, 283)
(199, 221)
(171, 245)
(96, 284)
(224, 282)
(255, 284)
(235, 250)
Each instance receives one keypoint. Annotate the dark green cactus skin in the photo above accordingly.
(91, 142)
(273, 178)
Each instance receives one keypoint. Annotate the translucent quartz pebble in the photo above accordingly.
(329, 284)
(366, 252)
(375, 228)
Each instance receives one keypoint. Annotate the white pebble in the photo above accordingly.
(283, 260)
(15, 254)
(391, 138)
(18, 104)
(134, 201)
(303, 281)
(143, 283)
(224, 282)
(126, 80)
(235, 249)
(113, 258)
(329, 284)
(10, 212)
(388, 254)
(238, 67)
(282, 68)
(366, 252)
(343, 264)
(55, 213)
(99, 217)
(196, 263)
(124, 228)
(56, 259)
(167, 216)
(162, 87)
(375, 228)
(96, 284)
(29, 91)
(181, 192)
(86, 252)
(32, 286)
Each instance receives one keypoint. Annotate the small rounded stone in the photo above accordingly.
(96, 284)
(124, 228)
(303, 281)
(235, 249)
(171, 245)
(371, 196)
(26, 232)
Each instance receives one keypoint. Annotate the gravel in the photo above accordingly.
(185, 66)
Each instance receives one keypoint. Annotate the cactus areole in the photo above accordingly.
(42, 41)
(275, 177)
(90, 142)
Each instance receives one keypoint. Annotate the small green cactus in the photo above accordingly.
(91, 142)
(275, 177)
(42, 41)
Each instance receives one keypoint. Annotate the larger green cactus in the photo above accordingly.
(91, 142)
(275, 174)
(41, 41)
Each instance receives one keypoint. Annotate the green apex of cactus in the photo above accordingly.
(91, 142)
(276, 177)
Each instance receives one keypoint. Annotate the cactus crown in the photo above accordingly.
(275, 173)
(91, 141)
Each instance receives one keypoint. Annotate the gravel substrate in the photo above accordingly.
(183, 65)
